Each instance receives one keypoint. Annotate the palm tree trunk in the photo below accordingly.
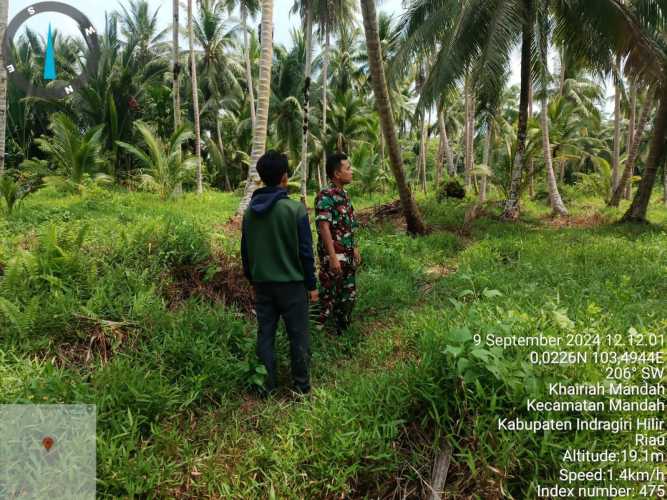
(487, 161)
(425, 155)
(176, 67)
(468, 134)
(248, 65)
(451, 166)
(557, 205)
(615, 159)
(306, 101)
(413, 219)
(440, 160)
(421, 160)
(4, 6)
(221, 147)
(632, 123)
(632, 154)
(555, 199)
(531, 163)
(639, 206)
(511, 211)
(195, 100)
(325, 83)
(561, 76)
(381, 151)
(264, 93)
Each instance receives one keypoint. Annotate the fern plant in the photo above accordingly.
(164, 166)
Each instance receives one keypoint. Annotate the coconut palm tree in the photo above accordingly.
(74, 154)
(484, 33)
(114, 93)
(305, 8)
(263, 97)
(175, 64)
(635, 32)
(195, 99)
(247, 8)
(141, 25)
(163, 167)
(413, 219)
(286, 111)
(557, 205)
(218, 71)
(4, 6)
(633, 152)
(350, 122)
(330, 15)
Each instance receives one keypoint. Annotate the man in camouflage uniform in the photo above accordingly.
(338, 254)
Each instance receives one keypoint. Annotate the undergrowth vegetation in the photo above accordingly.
(92, 311)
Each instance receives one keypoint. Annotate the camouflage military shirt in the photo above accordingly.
(333, 205)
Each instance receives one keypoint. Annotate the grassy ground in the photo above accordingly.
(87, 314)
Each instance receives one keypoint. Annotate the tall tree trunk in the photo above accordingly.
(486, 161)
(425, 140)
(248, 65)
(664, 184)
(4, 7)
(325, 104)
(421, 159)
(632, 123)
(419, 167)
(557, 205)
(633, 153)
(511, 211)
(413, 219)
(555, 199)
(221, 147)
(308, 29)
(449, 154)
(616, 155)
(263, 95)
(440, 161)
(176, 66)
(381, 151)
(469, 126)
(531, 163)
(561, 76)
(195, 99)
(639, 206)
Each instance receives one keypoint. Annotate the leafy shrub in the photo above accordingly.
(451, 189)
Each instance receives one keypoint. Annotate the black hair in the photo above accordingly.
(271, 167)
(334, 163)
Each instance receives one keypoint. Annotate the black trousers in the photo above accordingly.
(289, 301)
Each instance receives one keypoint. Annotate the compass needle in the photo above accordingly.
(50, 59)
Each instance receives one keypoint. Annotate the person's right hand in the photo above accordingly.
(334, 265)
(314, 295)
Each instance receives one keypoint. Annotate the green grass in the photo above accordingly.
(175, 416)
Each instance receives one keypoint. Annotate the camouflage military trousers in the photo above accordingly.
(338, 293)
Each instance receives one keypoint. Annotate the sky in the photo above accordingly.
(95, 9)
(283, 20)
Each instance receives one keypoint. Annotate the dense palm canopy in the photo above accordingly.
(588, 44)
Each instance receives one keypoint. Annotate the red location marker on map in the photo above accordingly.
(47, 442)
